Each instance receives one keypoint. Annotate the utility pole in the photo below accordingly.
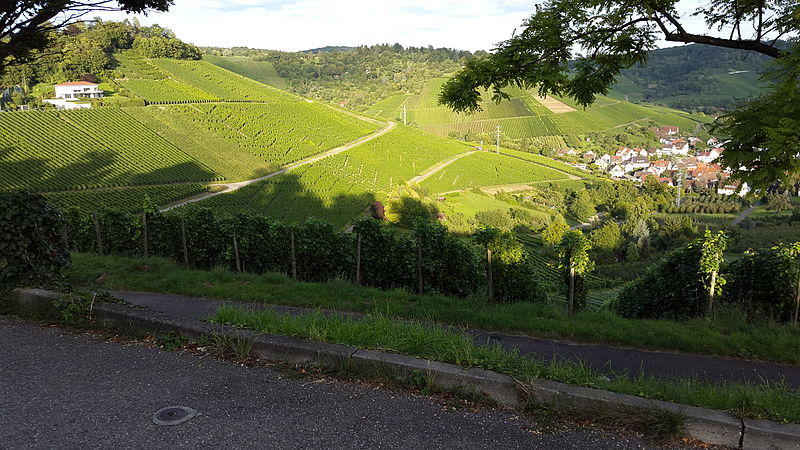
(497, 135)
(405, 122)
(679, 188)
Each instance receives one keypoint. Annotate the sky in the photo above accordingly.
(306, 24)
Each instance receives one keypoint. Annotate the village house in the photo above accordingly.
(589, 156)
(680, 147)
(732, 188)
(616, 171)
(640, 162)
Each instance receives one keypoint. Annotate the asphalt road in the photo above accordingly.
(60, 390)
(604, 358)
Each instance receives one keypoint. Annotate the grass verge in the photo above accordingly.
(728, 335)
(769, 401)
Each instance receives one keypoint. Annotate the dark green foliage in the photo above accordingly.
(206, 241)
(264, 245)
(671, 289)
(449, 265)
(33, 250)
(513, 271)
(763, 282)
(322, 253)
(388, 259)
(497, 218)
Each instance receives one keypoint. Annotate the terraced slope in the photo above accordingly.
(80, 149)
(247, 140)
(489, 169)
(163, 80)
(338, 188)
(524, 115)
(261, 71)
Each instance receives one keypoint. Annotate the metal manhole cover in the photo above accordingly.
(173, 415)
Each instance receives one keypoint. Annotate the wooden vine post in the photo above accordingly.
(575, 262)
(293, 255)
(185, 244)
(358, 260)
(489, 274)
(97, 233)
(420, 287)
(144, 234)
(236, 253)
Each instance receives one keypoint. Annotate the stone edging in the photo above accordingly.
(707, 425)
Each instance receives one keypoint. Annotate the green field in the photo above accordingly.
(523, 115)
(82, 149)
(337, 188)
(261, 71)
(489, 169)
(246, 140)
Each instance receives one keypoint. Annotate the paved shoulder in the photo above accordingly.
(66, 391)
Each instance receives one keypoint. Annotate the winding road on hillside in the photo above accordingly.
(426, 175)
(230, 187)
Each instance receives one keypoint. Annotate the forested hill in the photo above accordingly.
(694, 78)
(691, 77)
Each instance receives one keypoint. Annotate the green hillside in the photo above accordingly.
(489, 169)
(108, 156)
(67, 150)
(247, 140)
(163, 80)
(337, 188)
(261, 71)
(524, 115)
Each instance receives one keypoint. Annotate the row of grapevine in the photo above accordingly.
(80, 149)
(489, 169)
(274, 133)
(129, 199)
(220, 83)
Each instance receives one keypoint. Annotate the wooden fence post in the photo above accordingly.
(358, 260)
(183, 241)
(144, 234)
(294, 257)
(489, 274)
(571, 294)
(97, 233)
(236, 253)
(420, 286)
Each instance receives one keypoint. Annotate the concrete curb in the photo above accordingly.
(710, 426)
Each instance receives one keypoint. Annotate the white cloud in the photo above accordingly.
(299, 25)
(303, 24)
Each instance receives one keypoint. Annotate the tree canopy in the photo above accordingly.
(26, 26)
(578, 48)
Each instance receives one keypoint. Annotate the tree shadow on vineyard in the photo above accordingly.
(288, 198)
(91, 170)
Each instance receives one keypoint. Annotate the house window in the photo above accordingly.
(67, 96)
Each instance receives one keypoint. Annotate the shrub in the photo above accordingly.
(33, 251)
(764, 282)
(449, 265)
(513, 272)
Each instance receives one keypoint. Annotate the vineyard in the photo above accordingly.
(130, 199)
(241, 140)
(163, 80)
(489, 169)
(336, 189)
(82, 149)
(261, 71)
(545, 161)
(524, 116)
(220, 83)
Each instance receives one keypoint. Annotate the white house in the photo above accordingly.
(617, 171)
(69, 94)
(639, 162)
(78, 90)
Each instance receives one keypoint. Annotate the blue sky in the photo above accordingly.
(299, 25)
